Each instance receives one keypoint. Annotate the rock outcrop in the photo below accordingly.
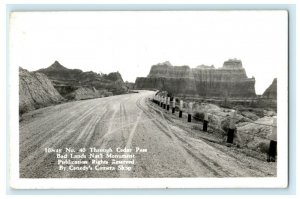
(271, 91)
(67, 81)
(129, 85)
(207, 81)
(87, 93)
(252, 130)
(36, 91)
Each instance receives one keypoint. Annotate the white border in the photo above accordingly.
(281, 181)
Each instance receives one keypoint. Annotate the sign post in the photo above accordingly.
(231, 127)
(180, 108)
(205, 122)
(168, 103)
(173, 105)
(190, 111)
(273, 142)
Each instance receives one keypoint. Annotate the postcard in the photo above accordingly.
(148, 99)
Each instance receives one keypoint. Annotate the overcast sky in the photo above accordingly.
(130, 42)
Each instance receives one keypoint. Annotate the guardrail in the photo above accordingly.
(165, 103)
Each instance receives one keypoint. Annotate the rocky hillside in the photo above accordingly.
(271, 91)
(252, 127)
(67, 81)
(36, 91)
(87, 93)
(230, 80)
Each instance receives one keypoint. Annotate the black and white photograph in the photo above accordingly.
(158, 98)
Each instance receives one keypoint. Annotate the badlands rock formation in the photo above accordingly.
(87, 93)
(229, 81)
(67, 81)
(271, 91)
(36, 91)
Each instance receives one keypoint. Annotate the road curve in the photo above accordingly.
(123, 121)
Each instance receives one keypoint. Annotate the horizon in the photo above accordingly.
(131, 42)
(149, 71)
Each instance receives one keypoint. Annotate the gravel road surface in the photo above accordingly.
(123, 122)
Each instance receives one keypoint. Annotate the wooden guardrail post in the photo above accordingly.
(161, 101)
(165, 102)
(190, 110)
(231, 128)
(205, 122)
(168, 103)
(173, 105)
(273, 142)
(180, 108)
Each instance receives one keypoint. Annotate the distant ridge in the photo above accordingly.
(57, 66)
(166, 63)
(271, 91)
(67, 80)
(206, 81)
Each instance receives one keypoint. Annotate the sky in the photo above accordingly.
(132, 41)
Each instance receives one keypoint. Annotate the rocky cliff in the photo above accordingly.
(271, 91)
(67, 81)
(35, 91)
(229, 81)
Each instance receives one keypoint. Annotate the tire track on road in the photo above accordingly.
(129, 141)
(63, 137)
(225, 171)
(49, 119)
(187, 152)
(44, 134)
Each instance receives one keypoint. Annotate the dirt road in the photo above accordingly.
(118, 122)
